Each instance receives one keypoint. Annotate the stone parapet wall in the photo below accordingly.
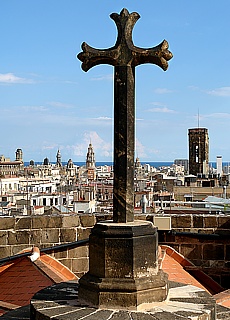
(22, 232)
(204, 239)
(210, 254)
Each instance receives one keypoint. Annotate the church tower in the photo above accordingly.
(198, 151)
(90, 158)
(58, 157)
(19, 155)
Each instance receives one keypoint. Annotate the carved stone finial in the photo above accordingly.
(124, 52)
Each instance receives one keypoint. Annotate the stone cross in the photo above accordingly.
(124, 56)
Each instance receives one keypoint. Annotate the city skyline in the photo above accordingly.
(48, 103)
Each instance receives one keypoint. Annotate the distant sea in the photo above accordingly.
(156, 164)
(110, 163)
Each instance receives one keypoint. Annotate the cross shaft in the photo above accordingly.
(124, 56)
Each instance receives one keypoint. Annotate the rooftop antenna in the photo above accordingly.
(198, 118)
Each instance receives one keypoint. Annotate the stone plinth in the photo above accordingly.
(123, 267)
(184, 302)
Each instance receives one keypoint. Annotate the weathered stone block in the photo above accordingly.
(23, 223)
(224, 222)
(60, 254)
(181, 221)
(213, 252)
(45, 222)
(79, 252)
(5, 251)
(191, 251)
(210, 222)
(185, 239)
(19, 237)
(36, 237)
(3, 238)
(198, 221)
(227, 252)
(18, 248)
(87, 220)
(68, 235)
(69, 221)
(80, 265)
(83, 233)
(7, 223)
(50, 236)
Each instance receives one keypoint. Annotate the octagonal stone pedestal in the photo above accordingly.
(184, 302)
(123, 267)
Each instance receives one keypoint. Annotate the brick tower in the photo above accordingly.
(198, 151)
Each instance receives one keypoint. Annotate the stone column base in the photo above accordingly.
(123, 267)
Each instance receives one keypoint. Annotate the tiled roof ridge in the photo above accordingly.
(52, 268)
(211, 285)
(48, 272)
(223, 297)
(8, 306)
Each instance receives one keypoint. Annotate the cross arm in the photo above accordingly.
(158, 55)
(91, 57)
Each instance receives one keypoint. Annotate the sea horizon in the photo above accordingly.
(156, 164)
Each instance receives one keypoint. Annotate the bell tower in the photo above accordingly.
(198, 151)
(90, 158)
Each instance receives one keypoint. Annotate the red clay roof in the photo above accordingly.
(223, 298)
(21, 279)
(182, 270)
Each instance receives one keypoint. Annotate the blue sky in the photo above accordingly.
(47, 102)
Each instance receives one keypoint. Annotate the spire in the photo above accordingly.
(90, 158)
(58, 157)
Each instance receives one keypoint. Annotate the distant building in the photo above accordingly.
(11, 168)
(90, 163)
(198, 151)
(182, 162)
(219, 167)
(58, 157)
(19, 155)
(46, 162)
(90, 158)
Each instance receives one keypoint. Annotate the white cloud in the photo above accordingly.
(158, 104)
(10, 78)
(140, 149)
(107, 77)
(162, 110)
(34, 108)
(60, 104)
(162, 90)
(221, 92)
(100, 146)
(103, 118)
(220, 115)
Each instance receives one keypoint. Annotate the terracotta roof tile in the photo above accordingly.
(182, 270)
(223, 298)
(22, 278)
